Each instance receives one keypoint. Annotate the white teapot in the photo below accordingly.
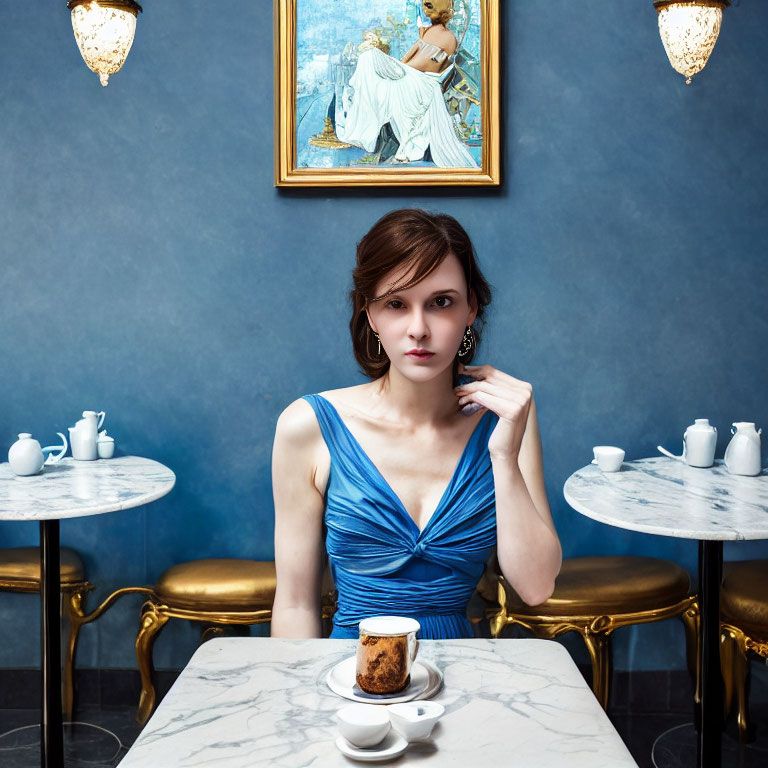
(699, 442)
(26, 457)
(742, 456)
(85, 434)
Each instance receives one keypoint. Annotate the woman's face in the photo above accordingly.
(421, 327)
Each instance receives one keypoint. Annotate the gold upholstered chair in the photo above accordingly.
(595, 596)
(20, 572)
(743, 632)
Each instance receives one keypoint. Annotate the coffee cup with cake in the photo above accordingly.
(385, 652)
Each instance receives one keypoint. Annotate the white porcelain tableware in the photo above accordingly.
(699, 443)
(363, 725)
(608, 457)
(742, 456)
(84, 436)
(105, 445)
(26, 457)
(393, 746)
(426, 680)
(415, 719)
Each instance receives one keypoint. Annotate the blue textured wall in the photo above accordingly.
(150, 269)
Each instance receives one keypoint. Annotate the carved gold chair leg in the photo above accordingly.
(734, 660)
(76, 615)
(153, 619)
(599, 647)
(727, 652)
(691, 618)
(74, 600)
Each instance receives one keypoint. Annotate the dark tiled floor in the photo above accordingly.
(85, 747)
(657, 738)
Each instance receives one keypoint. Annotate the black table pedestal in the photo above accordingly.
(51, 731)
(710, 712)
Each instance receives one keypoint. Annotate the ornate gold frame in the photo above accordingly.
(288, 175)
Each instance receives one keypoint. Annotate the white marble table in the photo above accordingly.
(71, 489)
(668, 498)
(244, 702)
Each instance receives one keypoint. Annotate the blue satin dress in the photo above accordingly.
(381, 562)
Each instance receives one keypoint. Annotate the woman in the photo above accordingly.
(413, 493)
(408, 95)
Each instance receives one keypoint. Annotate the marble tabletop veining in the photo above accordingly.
(665, 496)
(72, 488)
(244, 702)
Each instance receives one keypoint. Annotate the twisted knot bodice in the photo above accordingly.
(381, 562)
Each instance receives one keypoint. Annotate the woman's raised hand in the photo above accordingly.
(509, 398)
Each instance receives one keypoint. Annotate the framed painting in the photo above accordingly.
(386, 93)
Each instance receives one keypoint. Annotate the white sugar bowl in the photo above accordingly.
(105, 445)
(415, 719)
(363, 725)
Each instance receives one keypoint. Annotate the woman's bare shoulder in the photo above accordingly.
(297, 424)
(442, 37)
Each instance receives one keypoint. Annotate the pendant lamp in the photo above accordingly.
(104, 32)
(689, 32)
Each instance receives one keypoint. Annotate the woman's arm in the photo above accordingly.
(299, 505)
(528, 548)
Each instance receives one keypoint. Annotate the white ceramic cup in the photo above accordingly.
(608, 457)
(363, 725)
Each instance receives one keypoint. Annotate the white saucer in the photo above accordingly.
(393, 745)
(426, 680)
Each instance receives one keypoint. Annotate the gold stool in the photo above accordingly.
(216, 591)
(596, 595)
(743, 628)
(20, 572)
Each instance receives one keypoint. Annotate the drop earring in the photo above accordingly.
(467, 342)
(378, 351)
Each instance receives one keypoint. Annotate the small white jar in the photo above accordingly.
(105, 447)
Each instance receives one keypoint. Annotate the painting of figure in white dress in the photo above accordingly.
(388, 84)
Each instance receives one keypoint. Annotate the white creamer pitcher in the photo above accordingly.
(742, 456)
(85, 434)
(699, 442)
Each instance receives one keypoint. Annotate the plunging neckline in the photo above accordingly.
(385, 482)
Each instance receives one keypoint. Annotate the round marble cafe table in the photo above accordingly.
(666, 497)
(64, 490)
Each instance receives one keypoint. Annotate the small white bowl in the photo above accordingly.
(363, 725)
(415, 719)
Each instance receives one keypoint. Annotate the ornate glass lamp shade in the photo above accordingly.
(689, 32)
(104, 32)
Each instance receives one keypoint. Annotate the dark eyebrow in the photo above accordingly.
(395, 294)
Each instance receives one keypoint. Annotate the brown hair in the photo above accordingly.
(419, 241)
